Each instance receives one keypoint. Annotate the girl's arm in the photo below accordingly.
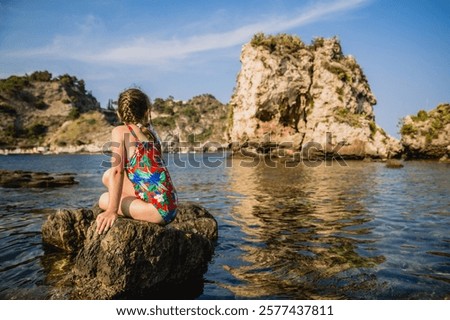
(107, 218)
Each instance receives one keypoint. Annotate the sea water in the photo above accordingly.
(321, 230)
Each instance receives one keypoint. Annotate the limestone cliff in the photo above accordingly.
(292, 95)
(427, 134)
(39, 110)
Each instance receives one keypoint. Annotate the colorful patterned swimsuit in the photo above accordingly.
(150, 177)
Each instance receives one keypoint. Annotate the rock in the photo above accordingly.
(67, 229)
(394, 164)
(445, 159)
(29, 179)
(133, 258)
(427, 134)
(291, 93)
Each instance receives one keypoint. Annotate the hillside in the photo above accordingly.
(59, 115)
(35, 108)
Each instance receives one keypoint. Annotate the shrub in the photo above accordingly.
(6, 109)
(166, 122)
(373, 128)
(339, 71)
(67, 80)
(14, 84)
(41, 105)
(279, 42)
(91, 121)
(408, 129)
(422, 115)
(191, 113)
(318, 42)
(73, 114)
(204, 135)
(343, 115)
(41, 76)
(37, 129)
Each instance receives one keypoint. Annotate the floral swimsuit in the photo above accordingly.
(150, 177)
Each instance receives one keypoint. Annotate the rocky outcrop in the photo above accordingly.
(197, 124)
(30, 179)
(427, 134)
(290, 96)
(36, 109)
(133, 258)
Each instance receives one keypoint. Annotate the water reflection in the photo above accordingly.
(303, 227)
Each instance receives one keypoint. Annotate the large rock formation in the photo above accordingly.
(133, 258)
(427, 134)
(293, 95)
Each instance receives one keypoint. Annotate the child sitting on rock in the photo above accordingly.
(138, 182)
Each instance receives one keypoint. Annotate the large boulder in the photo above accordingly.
(133, 257)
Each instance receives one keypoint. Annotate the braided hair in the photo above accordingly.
(133, 107)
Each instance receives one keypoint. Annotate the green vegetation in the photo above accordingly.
(74, 114)
(190, 112)
(14, 85)
(44, 76)
(343, 115)
(318, 42)
(37, 130)
(443, 111)
(202, 137)
(428, 124)
(41, 105)
(408, 129)
(69, 81)
(80, 130)
(422, 115)
(230, 115)
(339, 71)
(165, 106)
(164, 122)
(373, 129)
(7, 109)
(282, 42)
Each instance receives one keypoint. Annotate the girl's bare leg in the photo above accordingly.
(130, 206)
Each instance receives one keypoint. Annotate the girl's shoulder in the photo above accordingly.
(119, 131)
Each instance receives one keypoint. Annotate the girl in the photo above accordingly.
(146, 192)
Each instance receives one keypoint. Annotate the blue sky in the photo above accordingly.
(186, 48)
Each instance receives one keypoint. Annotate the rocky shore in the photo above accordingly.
(133, 259)
(31, 179)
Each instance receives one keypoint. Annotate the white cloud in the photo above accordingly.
(146, 50)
